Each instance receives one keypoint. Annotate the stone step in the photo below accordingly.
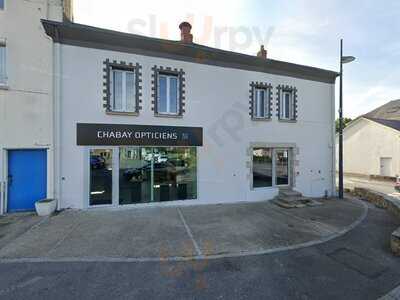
(293, 199)
(290, 193)
(303, 202)
(286, 204)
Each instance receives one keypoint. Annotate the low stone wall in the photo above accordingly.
(391, 204)
(370, 176)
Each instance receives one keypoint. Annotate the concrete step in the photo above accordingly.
(290, 193)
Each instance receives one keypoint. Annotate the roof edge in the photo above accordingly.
(99, 38)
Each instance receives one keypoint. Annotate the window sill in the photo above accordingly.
(121, 113)
(287, 121)
(4, 86)
(261, 119)
(168, 116)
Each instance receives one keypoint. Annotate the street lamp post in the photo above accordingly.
(343, 60)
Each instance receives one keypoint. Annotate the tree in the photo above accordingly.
(346, 121)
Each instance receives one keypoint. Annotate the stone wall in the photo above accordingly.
(391, 204)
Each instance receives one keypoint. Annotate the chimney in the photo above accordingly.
(68, 10)
(262, 53)
(186, 36)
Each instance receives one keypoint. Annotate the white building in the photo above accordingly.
(371, 143)
(144, 120)
(26, 101)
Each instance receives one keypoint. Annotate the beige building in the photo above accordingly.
(26, 100)
(372, 142)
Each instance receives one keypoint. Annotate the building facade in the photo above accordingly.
(143, 120)
(26, 102)
(371, 143)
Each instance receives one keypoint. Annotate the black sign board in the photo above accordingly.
(138, 135)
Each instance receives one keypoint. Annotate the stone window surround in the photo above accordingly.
(137, 69)
(279, 90)
(154, 88)
(293, 161)
(262, 85)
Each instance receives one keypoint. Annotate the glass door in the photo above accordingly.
(175, 173)
(135, 175)
(155, 174)
(101, 169)
(282, 168)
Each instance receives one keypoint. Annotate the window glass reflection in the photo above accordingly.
(262, 167)
(282, 167)
(100, 177)
(149, 174)
(175, 173)
(134, 175)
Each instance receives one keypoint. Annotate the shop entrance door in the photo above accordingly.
(282, 167)
(157, 174)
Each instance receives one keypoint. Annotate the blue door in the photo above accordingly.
(27, 179)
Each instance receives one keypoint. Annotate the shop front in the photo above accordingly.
(131, 164)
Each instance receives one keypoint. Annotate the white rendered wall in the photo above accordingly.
(214, 96)
(365, 142)
(26, 99)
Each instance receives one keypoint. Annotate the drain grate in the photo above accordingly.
(363, 265)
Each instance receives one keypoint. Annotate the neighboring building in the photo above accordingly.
(144, 120)
(371, 142)
(26, 101)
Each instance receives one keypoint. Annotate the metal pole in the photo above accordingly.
(341, 123)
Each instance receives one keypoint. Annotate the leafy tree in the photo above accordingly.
(346, 121)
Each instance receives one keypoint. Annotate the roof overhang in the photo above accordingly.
(92, 37)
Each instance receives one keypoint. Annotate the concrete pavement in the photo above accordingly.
(16, 224)
(356, 265)
(192, 232)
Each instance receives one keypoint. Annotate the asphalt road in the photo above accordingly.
(357, 265)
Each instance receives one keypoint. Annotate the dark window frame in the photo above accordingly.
(157, 70)
(122, 65)
(279, 93)
(260, 85)
(3, 62)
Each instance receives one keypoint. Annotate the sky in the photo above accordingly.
(305, 32)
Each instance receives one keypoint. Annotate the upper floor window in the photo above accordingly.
(287, 103)
(2, 4)
(123, 88)
(168, 94)
(168, 91)
(3, 73)
(260, 102)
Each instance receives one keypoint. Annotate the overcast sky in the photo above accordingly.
(300, 31)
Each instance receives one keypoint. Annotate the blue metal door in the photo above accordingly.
(27, 179)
